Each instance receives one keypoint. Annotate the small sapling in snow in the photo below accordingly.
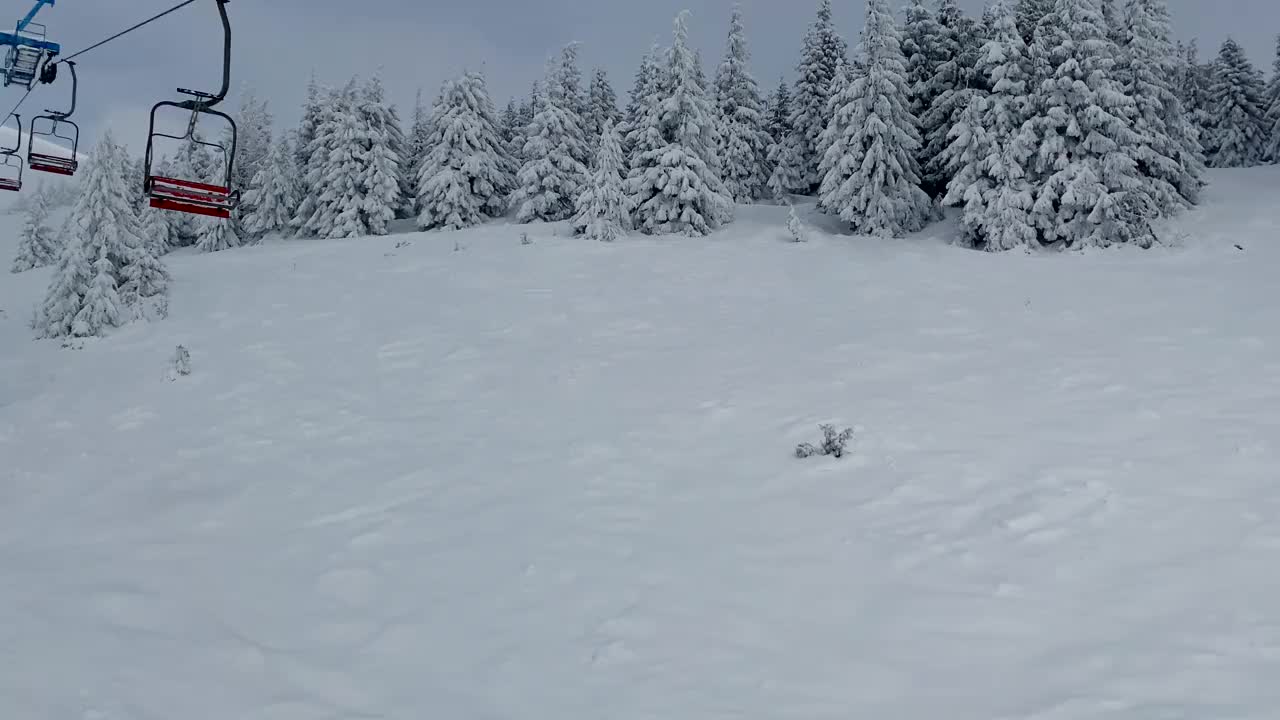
(180, 364)
(833, 443)
(795, 227)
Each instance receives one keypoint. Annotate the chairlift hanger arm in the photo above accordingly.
(17, 37)
(24, 22)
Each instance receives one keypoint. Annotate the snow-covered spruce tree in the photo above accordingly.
(253, 142)
(1237, 135)
(948, 93)
(780, 112)
(419, 140)
(156, 228)
(1090, 191)
(992, 145)
(552, 174)
(922, 47)
(672, 185)
(508, 121)
(841, 82)
(574, 97)
(1030, 13)
(823, 51)
(467, 174)
(37, 247)
(331, 206)
(642, 96)
(870, 178)
(382, 141)
(105, 270)
(216, 234)
(744, 140)
(602, 211)
(1168, 153)
(1272, 103)
(274, 191)
(1196, 80)
(312, 112)
(603, 104)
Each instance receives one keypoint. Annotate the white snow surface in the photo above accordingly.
(556, 481)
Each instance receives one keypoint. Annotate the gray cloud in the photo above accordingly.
(418, 43)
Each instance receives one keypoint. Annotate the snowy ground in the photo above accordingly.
(556, 481)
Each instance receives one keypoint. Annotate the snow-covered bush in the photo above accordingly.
(833, 443)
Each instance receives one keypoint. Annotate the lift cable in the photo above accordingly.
(122, 33)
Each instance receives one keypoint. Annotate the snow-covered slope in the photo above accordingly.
(555, 481)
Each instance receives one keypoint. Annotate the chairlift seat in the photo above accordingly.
(53, 164)
(191, 197)
(11, 185)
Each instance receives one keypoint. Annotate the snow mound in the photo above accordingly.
(556, 480)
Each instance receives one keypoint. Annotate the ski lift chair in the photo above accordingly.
(60, 127)
(188, 195)
(21, 61)
(11, 164)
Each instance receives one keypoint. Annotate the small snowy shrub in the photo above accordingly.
(180, 365)
(524, 239)
(832, 443)
(795, 227)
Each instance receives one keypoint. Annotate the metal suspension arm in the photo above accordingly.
(24, 22)
(205, 101)
(75, 90)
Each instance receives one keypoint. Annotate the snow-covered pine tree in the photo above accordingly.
(1090, 191)
(274, 191)
(672, 184)
(312, 112)
(922, 47)
(822, 53)
(1168, 152)
(381, 143)
(37, 246)
(602, 209)
(744, 140)
(253, 142)
(508, 121)
(574, 97)
(841, 82)
(1237, 135)
(641, 97)
(1272, 103)
(216, 234)
(156, 228)
(603, 103)
(780, 112)
(948, 93)
(993, 144)
(419, 135)
(1030, 13)
(331, 205)
(105, 268)
(870, 177)
(552, 174)
(466, 175)
(1195, 80)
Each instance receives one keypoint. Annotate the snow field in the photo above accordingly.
(556, 481)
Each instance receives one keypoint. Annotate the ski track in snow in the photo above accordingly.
(555, 481)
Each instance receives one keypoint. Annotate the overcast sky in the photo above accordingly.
(420, 42)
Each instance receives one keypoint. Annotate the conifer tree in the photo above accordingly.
(552, 174)
(1090, 191)
(744, 140)
(1272, 103)
(379, 148)
(602, 211)
(37, 246)
(312, 110)
(993, 144)
(105, 269)
(823, 51)
(216, 234)
(332, 205)
(156, 229)
(870, 178)
(948, 93)
(841, 82)
(467, 173)
(1237, 134)
(1030, 13)
(1168, 151)
(274, 191)
(672, 184)
(922, 46)
(780, 112)
(603, 103)
(253, 141)
(1195, 80)
(642, 96)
